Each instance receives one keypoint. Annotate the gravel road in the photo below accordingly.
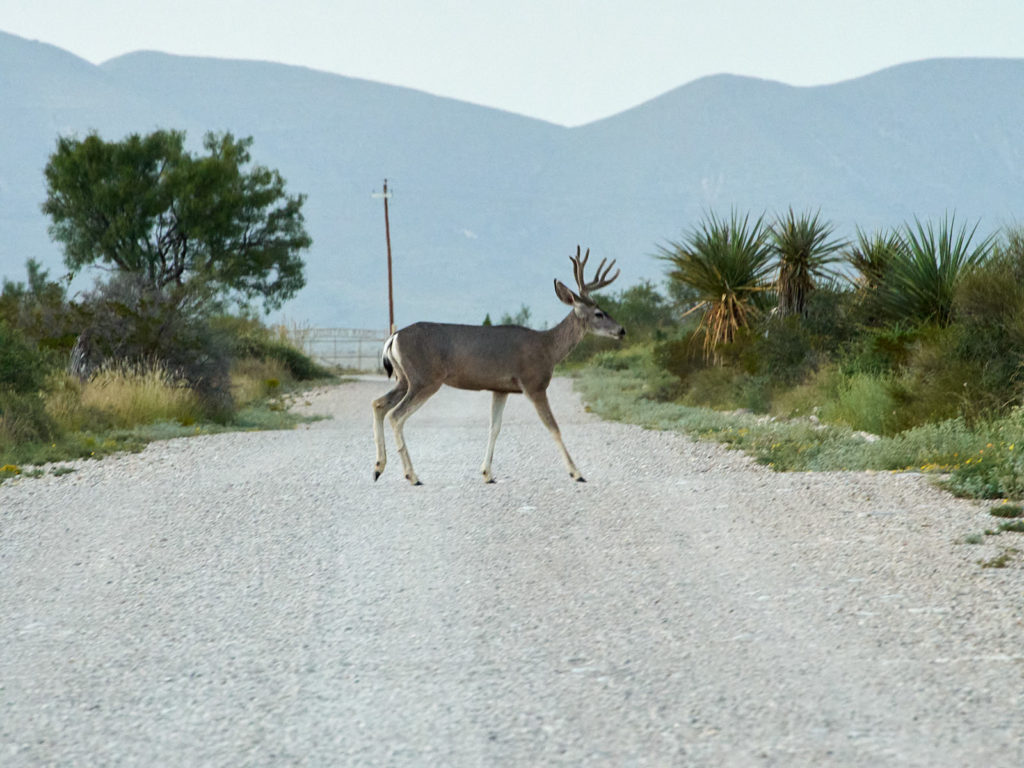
(255, 599)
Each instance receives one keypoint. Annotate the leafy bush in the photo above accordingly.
(862, 402)
(680, 357)
(132, 323)
(249, 338)
(23, 419)
(877, 350)
(785, 351)
(22, 366)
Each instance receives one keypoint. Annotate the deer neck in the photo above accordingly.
(566, 335)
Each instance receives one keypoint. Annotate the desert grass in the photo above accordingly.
(122, 396)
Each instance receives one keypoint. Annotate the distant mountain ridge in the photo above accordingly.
(487, 204)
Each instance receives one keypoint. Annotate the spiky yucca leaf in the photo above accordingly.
(920, 282)
(871, 254)
(805, 252)
(726, 264)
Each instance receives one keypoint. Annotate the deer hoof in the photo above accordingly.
(581, 479)
(376, 474)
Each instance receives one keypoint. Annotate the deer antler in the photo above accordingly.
(600, 280)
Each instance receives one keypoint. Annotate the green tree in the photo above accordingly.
(182, 223)
(39, 308)
(804, 250)
(726, 263)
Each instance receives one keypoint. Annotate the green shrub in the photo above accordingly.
(131, 323)
(863, 402)
(784, 351)
(680, 357)
(247, 337)
(40, 310)
(23, 367)
(877, 350)
(23, 419)
(631, 358)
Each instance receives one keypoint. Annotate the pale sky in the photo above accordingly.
(566, 61)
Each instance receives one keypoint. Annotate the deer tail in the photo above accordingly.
(385, 355)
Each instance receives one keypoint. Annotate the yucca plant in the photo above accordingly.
(726, 263)
(921, 279)
(804, 249)
(870, 256)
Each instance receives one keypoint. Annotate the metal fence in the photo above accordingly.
(355, 349)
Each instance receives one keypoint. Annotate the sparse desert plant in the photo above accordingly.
(1007, 511)
(1001, 560)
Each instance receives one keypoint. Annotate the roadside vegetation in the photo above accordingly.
(901, 350)
(242, 375)
(167, 342)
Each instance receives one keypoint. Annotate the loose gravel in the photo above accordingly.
(256, 599)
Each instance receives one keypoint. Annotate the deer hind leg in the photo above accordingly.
(411, 400)
(497, 407)
(381, 406)
(540, 402)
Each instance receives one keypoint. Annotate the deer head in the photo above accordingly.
(583, 305)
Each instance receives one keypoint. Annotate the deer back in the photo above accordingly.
(503, 358)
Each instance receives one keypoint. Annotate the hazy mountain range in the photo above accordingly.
(488, 205)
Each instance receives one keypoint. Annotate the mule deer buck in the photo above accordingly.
(503, 359)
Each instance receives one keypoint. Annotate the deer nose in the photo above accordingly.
(622, 333)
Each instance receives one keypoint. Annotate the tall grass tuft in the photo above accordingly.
(125, 395)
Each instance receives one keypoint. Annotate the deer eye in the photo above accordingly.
(599, 313)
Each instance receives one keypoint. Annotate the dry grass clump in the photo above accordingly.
(255, 379)
(122, 395)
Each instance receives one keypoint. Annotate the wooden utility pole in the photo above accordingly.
(387, 236)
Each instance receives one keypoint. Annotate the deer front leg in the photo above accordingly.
(380, 408)
(540, 402)
(497, 407)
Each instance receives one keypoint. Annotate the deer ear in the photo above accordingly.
(564, 294)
